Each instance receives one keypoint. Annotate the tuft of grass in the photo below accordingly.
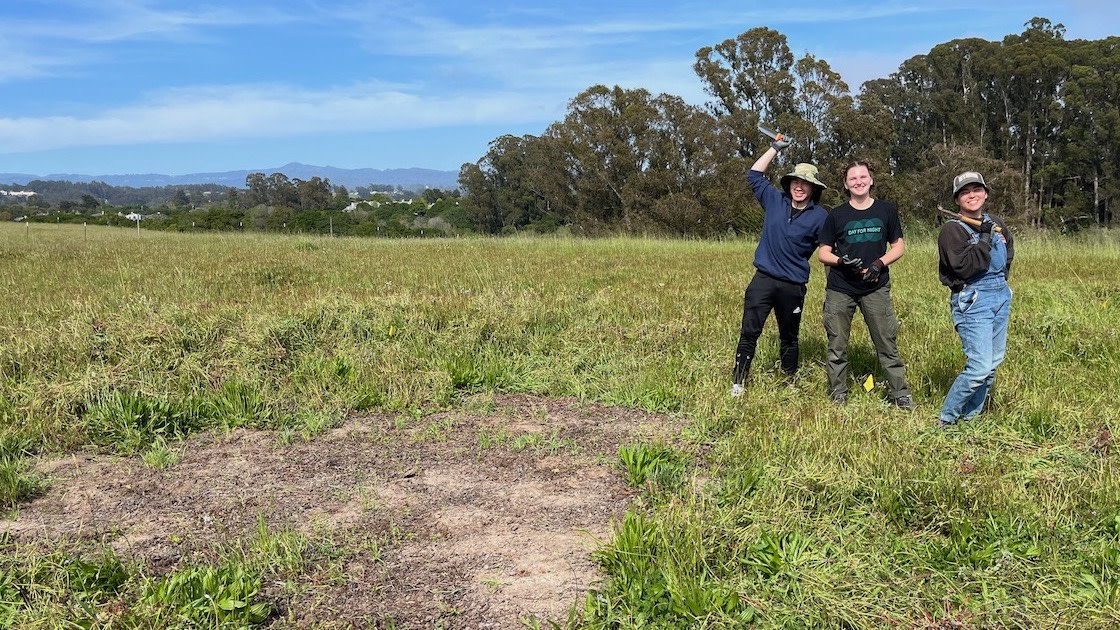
(240, 404)
(129, 422)
(17, 481)
(160, 455)
(656, 464)
(37, 585)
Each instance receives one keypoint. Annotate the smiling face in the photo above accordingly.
(858, 181)
(800, 190)
(971, 198)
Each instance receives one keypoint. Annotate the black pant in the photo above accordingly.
(786, 299)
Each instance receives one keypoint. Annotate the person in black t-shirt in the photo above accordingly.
(858, 242)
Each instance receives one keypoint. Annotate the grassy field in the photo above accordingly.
(784, 511)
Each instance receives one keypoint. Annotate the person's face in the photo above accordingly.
(972, 197)
(858, 181)
(800, 190)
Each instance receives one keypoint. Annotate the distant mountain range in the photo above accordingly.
(408, 178)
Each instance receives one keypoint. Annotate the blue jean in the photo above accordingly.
(980, 315)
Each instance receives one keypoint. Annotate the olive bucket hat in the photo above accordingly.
(807, 172)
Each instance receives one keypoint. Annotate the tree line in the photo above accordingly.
(1037, 114)
(272, 189)
(268, 203)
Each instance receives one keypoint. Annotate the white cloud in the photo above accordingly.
(77, 33)
(225, 112)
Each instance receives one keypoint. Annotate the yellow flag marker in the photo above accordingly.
(392, 329)
(869, 384)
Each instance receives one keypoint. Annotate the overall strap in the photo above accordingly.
(971, 230)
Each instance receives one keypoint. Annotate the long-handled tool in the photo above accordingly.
(968, 220)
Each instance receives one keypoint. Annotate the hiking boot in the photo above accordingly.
(906, 403)
(840, 398)
(737, 390)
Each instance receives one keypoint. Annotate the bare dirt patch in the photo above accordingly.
(456, 520)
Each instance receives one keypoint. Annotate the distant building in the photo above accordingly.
(134, 216)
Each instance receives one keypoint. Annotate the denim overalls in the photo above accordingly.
(980, 313)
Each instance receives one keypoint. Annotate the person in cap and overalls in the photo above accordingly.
(792, 216)
(974, 259)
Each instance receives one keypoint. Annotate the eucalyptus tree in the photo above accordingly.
(314, 193)
(625, 160)
(754, 79)
(282, 191)
(818, 92)
(256, 191)
(750, 77)
(1090, 149)
(643, 163)
(905, 96)
(271, 190)
(1037, 66)
(515, 185)
(606, 138)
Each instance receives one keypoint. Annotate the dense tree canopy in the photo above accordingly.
(1037, 114)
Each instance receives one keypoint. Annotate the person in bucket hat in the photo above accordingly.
(974, 259)
(858, 241)
(805, 172)
(792, 216)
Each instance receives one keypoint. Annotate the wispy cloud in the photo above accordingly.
(78, 34)
(203, 114)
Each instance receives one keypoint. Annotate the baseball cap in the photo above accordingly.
(966, 178)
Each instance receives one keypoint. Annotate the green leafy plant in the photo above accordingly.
(772, 553)
(738, 486)
(206, 597)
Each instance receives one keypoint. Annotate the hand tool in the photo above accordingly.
(968, 220)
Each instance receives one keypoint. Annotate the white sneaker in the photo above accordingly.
(737, 390)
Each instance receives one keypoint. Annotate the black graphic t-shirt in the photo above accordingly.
(860, 234)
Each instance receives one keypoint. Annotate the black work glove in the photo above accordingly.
(985, 226)
(854, 264)
(872, 273)
(779, 145)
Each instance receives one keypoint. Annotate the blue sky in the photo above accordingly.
(105, 87)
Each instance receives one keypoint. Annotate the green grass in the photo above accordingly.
(67, 587)
(798, 514)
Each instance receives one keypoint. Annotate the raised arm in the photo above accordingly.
(764, 160)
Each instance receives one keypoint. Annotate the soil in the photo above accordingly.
(462, 519)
